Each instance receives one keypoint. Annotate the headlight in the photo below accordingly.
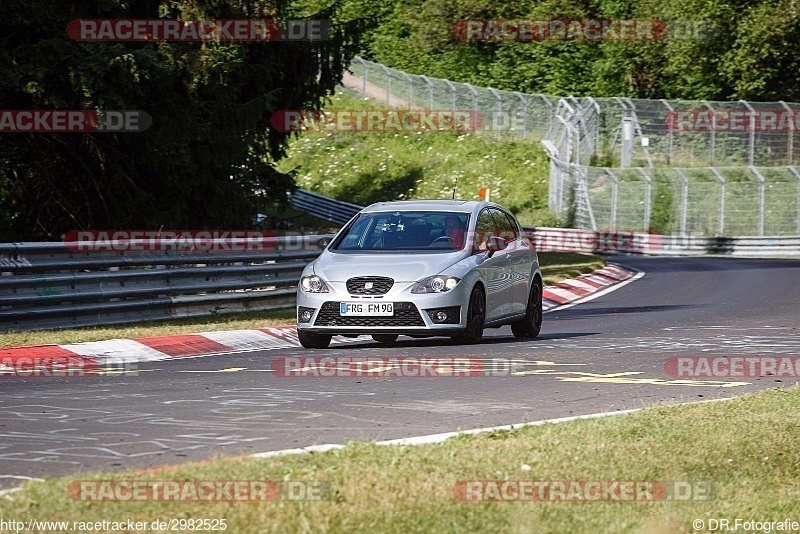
(436, 284)
(313, 284)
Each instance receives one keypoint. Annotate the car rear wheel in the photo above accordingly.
(313, 341)
(529, 326)
(476, 318)
(386, 339)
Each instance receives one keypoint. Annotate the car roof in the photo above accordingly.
(466, 206)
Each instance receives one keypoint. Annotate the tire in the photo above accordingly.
(528, 328)
(386, 339)
(313, 341)
(476, 318)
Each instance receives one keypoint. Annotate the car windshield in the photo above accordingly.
(433, 231)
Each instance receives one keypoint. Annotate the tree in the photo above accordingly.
(210, 147)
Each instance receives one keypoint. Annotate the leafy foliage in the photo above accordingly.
(206, 161)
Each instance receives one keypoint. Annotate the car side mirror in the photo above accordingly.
(323, 242)
(495, 244)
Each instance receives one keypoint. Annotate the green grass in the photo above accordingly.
(747, 448)
(367, 167)
(555, 266)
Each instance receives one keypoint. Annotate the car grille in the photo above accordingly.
(380, 285)
(405, 314)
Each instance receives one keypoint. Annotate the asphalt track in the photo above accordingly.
(603, 355)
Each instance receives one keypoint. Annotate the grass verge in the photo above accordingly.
(745, 447)
(366, 167)
(555, 266)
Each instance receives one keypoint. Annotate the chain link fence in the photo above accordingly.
(666, 166)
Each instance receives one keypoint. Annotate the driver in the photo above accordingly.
(454, 229)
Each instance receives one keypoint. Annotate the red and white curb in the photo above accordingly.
(150, 349)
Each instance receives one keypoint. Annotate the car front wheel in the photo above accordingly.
(529, 326)
(476, 317)
(313, 341)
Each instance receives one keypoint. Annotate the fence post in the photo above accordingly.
(713, 131)
(797, 175)
(684, 200)
(499, 98)
(452, 95)
(721, 180)
(614, 195)
(670, 127)
(388, 84)
(751, 151)
(761, 181)
(474, 96)
(790, 138)
(524, 113)
(410, 88)
(430, 91)
(365, 66)
(648, 181)
(549, 114)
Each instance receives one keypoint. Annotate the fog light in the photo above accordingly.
(306, 316)
(441, 316)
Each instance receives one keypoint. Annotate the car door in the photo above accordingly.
(520, 255)
(496, 269)
(510, 276)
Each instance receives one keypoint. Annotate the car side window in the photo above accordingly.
(484, 229)
(505, 228)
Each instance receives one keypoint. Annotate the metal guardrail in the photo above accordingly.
(572, 240)
(323, 207)
(53, 285)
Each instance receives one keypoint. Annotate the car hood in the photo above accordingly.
(339, 267)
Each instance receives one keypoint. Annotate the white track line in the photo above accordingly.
(439, 438)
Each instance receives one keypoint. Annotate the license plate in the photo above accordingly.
(366, 309)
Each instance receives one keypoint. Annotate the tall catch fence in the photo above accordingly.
(666, 166)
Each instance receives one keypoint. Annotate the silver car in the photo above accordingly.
(422, 268)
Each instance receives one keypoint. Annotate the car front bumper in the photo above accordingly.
(414, 314)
